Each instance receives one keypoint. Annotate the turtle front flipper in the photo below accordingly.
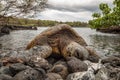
(93, 56)
(42, 51)
(75, 49)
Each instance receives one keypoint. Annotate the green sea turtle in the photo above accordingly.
(60, 39)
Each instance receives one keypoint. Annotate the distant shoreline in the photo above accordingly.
(8, 28)
(113, 29)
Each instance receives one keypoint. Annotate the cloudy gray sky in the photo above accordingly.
(71, 10)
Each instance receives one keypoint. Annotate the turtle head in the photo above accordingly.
(76, 50)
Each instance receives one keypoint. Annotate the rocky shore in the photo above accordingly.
(23, 65)
(8, 28)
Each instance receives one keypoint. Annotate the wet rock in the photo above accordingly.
(1, 64)
(108, 74)
(13, 54)
(93, 67)
(5, 54)
(26, 55)
(20, 54)
(81, 76)
(76, 65)
(1, 34)
(41, 51)
(15, 68)
(117, 55)
(86, 75)
(0, 46)
(29, 74)
(102, 74)
(114, 72)
(53, 76)
(51, 60)
(5, 70)
(5, 30)
(42, 71)
(60, 69)
(112, 60)
(5, 77)
(37, 61)
(93, 58)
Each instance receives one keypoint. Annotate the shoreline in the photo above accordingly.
(8, 28)
(113, 29)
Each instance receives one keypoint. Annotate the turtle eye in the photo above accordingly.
(69, 55)
(78, 54)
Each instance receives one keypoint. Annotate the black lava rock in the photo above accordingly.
(15, 68)
(76, 65)
(29, 74)
(5, 77)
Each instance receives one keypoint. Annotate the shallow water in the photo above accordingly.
(103, 43)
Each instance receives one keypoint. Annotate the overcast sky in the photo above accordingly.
(71, 10)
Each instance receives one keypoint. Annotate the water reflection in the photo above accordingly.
(106, 44)
(18, 39)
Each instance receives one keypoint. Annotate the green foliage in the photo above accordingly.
(32, 22)
(104, 8)
(117, 3)
(109, 17)
(96, 15)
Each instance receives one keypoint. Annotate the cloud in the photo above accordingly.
(51, 14)
(76, 5)
(68, 10)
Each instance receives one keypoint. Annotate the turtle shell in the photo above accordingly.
(56, 36)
